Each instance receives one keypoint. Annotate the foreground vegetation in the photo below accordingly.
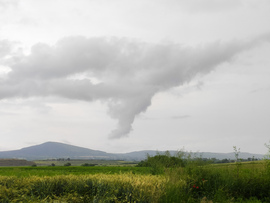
(83, 188)
(163, 178)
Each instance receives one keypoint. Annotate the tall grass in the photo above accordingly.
(232, 183)
(84, 188)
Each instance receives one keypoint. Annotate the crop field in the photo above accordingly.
(79, 162)
(83, 188)
(194, 181)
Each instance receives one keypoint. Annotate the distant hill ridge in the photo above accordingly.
(55, 150)
(51, 150)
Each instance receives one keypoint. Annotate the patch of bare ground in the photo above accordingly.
(16, 162)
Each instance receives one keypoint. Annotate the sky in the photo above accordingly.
(122, 75)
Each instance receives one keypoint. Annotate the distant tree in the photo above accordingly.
(225, 161)
(67, 164)
(162, 160)
(267, 158)
(236, 153)
(86, 164)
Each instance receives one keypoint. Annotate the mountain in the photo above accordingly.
(242, 155)
(55, 150)
(140, 155)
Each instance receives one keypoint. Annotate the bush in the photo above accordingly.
(87, 164)
(162, 161)
(67, 164)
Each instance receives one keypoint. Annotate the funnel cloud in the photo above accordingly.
(123, 73)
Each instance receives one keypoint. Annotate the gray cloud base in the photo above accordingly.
(129, 72)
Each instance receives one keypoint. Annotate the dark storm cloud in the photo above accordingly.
(129, 72)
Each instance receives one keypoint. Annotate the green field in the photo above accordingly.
(79, 162)
(195, 181)
(41, 171)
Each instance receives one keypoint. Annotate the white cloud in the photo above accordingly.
(5, 48)
(7, 3)
(180, 117)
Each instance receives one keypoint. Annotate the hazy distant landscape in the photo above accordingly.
(55, 150)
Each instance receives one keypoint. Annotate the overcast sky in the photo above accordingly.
(123, 75)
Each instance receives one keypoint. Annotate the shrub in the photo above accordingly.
(162, 161)
(87, 164)
(67, 164)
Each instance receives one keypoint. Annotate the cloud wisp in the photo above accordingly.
(7, 3)
(129, 73)
(180, 117)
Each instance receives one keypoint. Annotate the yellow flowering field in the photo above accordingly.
(82, 188)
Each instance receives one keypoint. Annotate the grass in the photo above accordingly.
(195, 182)
(67, 170)
(244, 182)
(83, 188)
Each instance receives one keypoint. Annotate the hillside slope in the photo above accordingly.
(54, 150)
